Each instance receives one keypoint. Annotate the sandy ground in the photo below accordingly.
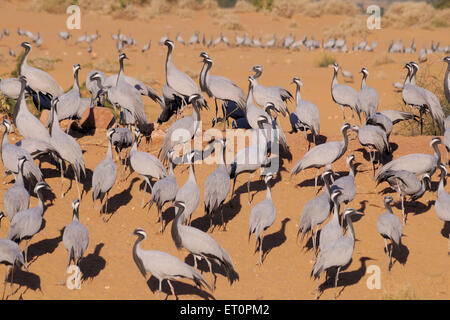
(109, 271)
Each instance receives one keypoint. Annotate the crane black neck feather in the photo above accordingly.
(24, 59)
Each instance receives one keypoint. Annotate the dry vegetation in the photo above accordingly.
(353, 26)
(420, 14)
(383, 59)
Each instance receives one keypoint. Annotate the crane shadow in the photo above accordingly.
(45, 246)
(399, 253)
(180, 289)
(345, 278)
(29, 280)
(274, 240)
(92, 264)
(415, 207)
(120, 199)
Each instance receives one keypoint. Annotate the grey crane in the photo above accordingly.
(323, 155)
(346, 184)
(383, 121)
(433, 104)
(336, 254)
(37, 79)
(26, 223)
(65, 35)
(141, 87)
(105, 175)
(344, 95)
(250, 159)
(201, 246)
(373, 137)
(146, 46)
(332, 229)
(389, 227)
(447, 78)
(145, 164)
(421, 98)
(122, 138)
(127, 97)
(220, 88)
(262, 216)
(442, 203)
(307, 114)
(10, 88)
(182, 130)
(180, 39)
(164, 190)
(189, 193)
(368, 96)
(11, 154)
(94, 86)
(217, 186)
(405, 184)
(347, 75)
(163, 266)
(194, 39)
(28, 125)
(10, 255)
(275, 94)
(315, 212)
(417, 163)
(179, 81)
(16, 198)
(75, 236)
(69, 102)
(67, 147)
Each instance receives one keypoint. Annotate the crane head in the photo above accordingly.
(194, 97)
(21, 160)
(75, 204)
(257, 68)
(350, 158)
(204, 55)
(179, 204)
(41, 185)
(335, 66)
(110, 133)
(435, 140)
(169, 43)
(297, 81)
(414, 65)
(2, 215)
(345, 127)
(388, 199)
(446, 59)
(26, 45)
(336, 193)
(76, 67)
(443, 168)
(122, 56)
(267, 178)
(427, 180)
(350, 212)
(7, 125)
(364, 71)
(140, 232)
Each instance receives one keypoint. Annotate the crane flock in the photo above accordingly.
(409, 175)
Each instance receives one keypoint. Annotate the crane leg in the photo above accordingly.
(217, 109)
(260, 248)
(403, 209)
(161, 219)
(315, 181)
(390, 257)
(448, 247)
(336, 281)
(78, 187)
(171, 289)
(224, 111)
(232, 192)
(248, 187)
(210, 270)
(223, 221)
(62, 178)
(4, 283)
(26, 252)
